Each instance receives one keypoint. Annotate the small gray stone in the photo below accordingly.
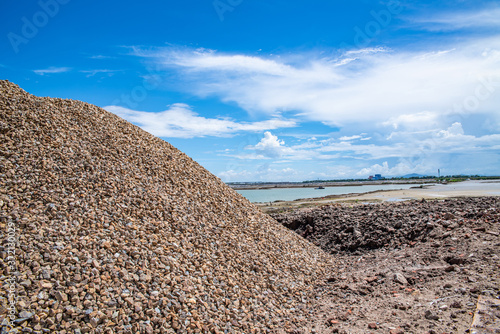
(25, 314)
(399, 278)
(430, 315)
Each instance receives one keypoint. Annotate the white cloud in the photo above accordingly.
(422, 146)
(52, 70)
(374, 169)
(353, 55)
(401, 168)
(404, 153)
(179, 121)
(482, 18)
(364, 151)
(102, 57)
(262, 173)
(347, 138)
(419, 120)
(365, 51)
(91, 73)
(401, 145)
(270, 146)
(203, 60)
(454, 130)
(350, 138)
(251, 156)
(338, 171)
(374, 88)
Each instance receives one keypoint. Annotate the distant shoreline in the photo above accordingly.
(473, 188)
(326, 184)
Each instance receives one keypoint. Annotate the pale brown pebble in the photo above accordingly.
(61, 296)
(45, 285)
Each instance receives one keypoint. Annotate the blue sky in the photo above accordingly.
(278, 90)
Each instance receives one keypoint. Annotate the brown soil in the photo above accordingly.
(410, 267)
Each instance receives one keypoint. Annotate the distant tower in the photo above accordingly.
(439, 173)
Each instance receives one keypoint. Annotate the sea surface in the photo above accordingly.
(291, 194)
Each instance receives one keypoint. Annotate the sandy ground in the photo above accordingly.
(457, 189)
(471, 188)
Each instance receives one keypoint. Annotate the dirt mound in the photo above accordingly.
(411, 267)
(344, 228)
(116, 231)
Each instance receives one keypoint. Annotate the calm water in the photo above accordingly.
(290, 194)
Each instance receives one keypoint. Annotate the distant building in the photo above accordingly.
(378, 177)
(370, 177)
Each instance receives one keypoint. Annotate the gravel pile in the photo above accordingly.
(344, 228)
(119, 232)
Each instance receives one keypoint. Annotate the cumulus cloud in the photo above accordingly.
(404, 153)
(401, 168)
(180, 121)
(270, 146)
(454, 130)
(423, 144)
(419, 147)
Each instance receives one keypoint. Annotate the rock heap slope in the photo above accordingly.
(119, 232)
